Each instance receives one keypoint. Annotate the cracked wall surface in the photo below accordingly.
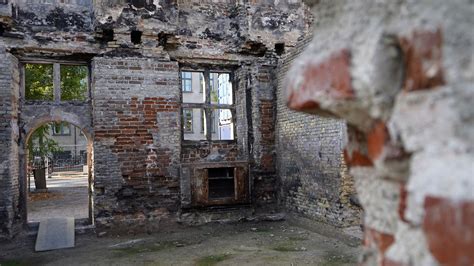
(402, 79)
(143, 174)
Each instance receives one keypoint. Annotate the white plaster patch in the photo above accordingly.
(442, 174)
(410, 245)
(378, 197)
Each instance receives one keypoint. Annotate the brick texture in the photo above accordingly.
(137, 145)
(309, 160)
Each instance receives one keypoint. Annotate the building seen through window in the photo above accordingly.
(201, 109)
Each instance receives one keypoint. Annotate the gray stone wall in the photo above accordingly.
(310, 165)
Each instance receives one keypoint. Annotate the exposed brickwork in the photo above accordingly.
(309, 152)
(381, 241)
(136, 107)
(328, 78)
(410, 145)
(422, 53)
(448, 221)
(10, 211)
(201, 152)
(267, 131)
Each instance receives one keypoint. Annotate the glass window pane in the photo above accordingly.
(39, 82)
(66, 129)
(194, 124)
(193, 84)
(74, 83)
(186, 81)
(221, 89)
(223, 123)
(61, 129)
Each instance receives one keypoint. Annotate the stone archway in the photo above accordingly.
(34, 122)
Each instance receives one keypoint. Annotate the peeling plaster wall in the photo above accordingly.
(402, 77)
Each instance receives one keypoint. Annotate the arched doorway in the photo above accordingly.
(57, 174)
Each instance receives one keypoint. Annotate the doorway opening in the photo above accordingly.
(59, 173)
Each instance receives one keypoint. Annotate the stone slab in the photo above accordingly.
(55, 233)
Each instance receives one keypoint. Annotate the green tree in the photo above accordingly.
(73, 83)
(40, 144)
(39, 82)
(39, 85)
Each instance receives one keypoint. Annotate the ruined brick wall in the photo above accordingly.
(402, 78)
(133, 115)
(310, 167)
(10, 211)
(263, 151)
(137, 140)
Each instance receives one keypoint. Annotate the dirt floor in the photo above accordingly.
(248, 243)
(67, 196)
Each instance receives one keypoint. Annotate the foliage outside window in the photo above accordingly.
(71, 82)
(39, 82)
(41, 145)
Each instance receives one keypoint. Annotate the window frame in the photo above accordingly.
(56, 78)
(207, 106)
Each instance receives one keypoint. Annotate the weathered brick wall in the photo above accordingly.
(309, 152)
(137, 140)
(9, 167)
(263, 149)
(255, 145)
(403, 80)
(134, 113)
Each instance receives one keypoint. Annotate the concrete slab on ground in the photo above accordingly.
(55, 233)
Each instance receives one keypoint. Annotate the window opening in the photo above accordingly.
(221, 183)
(39, 82)
(61, 129)
(136, 37)
(186, 81)
(223, 121)
(212, 105)
(56, 82)
(73, 83)
(188, 120)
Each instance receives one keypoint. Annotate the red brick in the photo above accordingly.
(449, 229)
(382, 241)
(330, 78)
(356, 158)
(376, 140)
(422, 55)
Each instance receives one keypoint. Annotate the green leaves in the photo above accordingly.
(73, 83)
(39, 82)
(40, 144)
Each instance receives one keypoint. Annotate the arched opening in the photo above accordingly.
(58, 172)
